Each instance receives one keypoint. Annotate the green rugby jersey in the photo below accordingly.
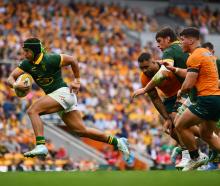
(218, 67)
(175, 55)
(46, 72)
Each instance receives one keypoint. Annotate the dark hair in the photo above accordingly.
(191, 32)
(208, 45)
(32, 40)
(144, 57)
(167, 32)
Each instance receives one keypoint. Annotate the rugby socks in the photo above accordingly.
(194, 154)
(112, 141)
(40, 140)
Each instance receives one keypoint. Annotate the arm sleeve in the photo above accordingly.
(55, 60)
(161, 75)
(193, 64)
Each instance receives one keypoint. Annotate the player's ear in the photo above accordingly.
(190, 41)
(168, 39)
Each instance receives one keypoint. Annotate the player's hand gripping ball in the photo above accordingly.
(23, 85)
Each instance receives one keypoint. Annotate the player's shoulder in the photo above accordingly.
(143, 76)
(171, 51)
(168, 50)
(201, 52)
(52, 58)
(175, 46)
(51, 55)
(144, 79)
(24, 63)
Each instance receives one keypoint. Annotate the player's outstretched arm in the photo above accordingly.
(13, 76)
(151, 85)
(158, 78)
(70, 60)
(155, 98)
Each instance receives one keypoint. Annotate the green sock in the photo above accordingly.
(112, 141)
(40, 140)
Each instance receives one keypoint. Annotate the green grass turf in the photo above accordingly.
(111, 178)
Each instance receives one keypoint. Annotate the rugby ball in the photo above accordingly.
(23, 85)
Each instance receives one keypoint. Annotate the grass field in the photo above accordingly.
(107, 178)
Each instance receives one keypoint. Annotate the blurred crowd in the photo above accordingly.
(16, 137)
(202, 17)
(95, 34)
(62, 27)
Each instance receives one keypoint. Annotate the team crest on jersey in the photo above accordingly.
(33, 69)
(44, 81)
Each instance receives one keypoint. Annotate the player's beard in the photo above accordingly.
(150, 74)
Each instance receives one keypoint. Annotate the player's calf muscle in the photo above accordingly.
(82, 132)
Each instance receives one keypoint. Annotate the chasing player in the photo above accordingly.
(170, 46)
(173, 55)
(210, 47)
(154, 75)
(201, 73)
(213, 154)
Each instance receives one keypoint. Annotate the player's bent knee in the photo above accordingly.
(32, 111)
(205, 136)
(181, 125)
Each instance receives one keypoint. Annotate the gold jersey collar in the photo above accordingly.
(37, 62)
(175, 42)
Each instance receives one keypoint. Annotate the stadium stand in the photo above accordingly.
(203, 17)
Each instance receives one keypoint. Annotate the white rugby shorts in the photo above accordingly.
(66, 99)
